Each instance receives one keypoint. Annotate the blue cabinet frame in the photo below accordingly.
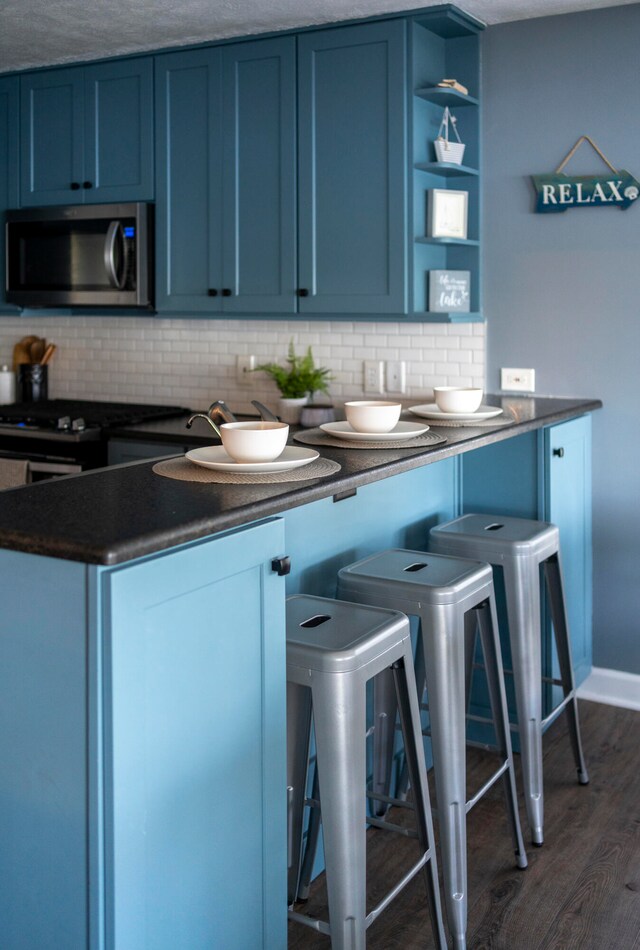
(9, 96)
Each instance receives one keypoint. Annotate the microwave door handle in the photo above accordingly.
(113, 231)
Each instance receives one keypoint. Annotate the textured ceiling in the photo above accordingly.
(44, 32)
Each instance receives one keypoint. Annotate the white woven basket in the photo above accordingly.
(451, 152)
(447, 151)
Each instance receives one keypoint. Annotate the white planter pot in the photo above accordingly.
(289, 409)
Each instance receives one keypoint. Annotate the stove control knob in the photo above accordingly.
(64, 422)
(78, 425)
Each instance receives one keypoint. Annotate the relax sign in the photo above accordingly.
(558, 192)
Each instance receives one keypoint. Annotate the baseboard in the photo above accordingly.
(611, 687)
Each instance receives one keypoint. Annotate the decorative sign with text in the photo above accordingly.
(558, 192)
(449, 291)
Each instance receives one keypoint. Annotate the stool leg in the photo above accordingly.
(421, 685)
(522, 587)
(553, 575)
(384, 712)
(311, 848)
(407, 699)
(340, 750)
(444, 663)
(488, 624)
(298, 735)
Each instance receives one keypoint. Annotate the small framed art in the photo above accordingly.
(447, 213)
(449, 291)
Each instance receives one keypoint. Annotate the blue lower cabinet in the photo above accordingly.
(142, 736)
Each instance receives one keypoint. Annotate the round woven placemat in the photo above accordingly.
(320, 437)
(471, 423)
(186, 471)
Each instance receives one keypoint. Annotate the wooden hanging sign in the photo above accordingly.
(557, 192)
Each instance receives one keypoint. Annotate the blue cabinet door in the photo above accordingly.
(194, 727)
(226, 179)
(87, 134)
(189, 181)
(8, 164)
(118, 110)
(259, 174)
(352, 169)
(567, 503)
(52, 137)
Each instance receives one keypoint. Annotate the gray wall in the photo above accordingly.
(562, 292)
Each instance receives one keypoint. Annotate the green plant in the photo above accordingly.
(300, 378)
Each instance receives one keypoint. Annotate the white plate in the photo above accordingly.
(431, 411)
(402, 431)
(214, 456)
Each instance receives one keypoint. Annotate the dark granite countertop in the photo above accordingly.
(113, 515)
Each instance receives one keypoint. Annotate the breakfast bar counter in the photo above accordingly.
(120, 513)
(143, 667)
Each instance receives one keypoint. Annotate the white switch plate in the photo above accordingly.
(518, 380)
(244, 364)
(373, 376)
(396, 376)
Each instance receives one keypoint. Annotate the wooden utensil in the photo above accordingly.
(48, 353)
(37, 350)
(22, 351)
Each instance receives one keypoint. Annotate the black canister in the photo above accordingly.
(32, 382)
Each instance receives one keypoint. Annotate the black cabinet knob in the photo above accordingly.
(303, 292)
(281, 566)
(87, 184)
(212, 292)
(75, 186)
(559, 453)
(226, 292)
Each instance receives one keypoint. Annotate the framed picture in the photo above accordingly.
(447, 213)
(449, 291)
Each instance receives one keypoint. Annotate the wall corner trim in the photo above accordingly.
(612, 687)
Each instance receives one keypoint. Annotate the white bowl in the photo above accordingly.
(372, 416)
(457, 399)
(257, 441)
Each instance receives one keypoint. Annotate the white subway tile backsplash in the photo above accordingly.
(192, 362)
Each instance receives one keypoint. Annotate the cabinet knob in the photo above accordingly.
(226, 292)
(303, 292)
(75, 186)
(212, 292)
(87, 184)
(559, 453)
(281, 566)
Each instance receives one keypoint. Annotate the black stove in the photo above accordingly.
(68, 436)
(76, 420)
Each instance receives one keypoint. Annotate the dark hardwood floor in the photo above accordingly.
(581, 890)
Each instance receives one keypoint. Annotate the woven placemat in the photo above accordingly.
(471, 423)
(320, 437)
(186, 471)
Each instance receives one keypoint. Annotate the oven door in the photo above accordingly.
(49, 461)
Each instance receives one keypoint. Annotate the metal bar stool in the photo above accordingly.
(448, 595)
(520, 546)
(333, 650)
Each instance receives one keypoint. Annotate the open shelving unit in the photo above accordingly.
(444, 43)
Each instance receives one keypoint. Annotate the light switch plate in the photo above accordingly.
(518, 380)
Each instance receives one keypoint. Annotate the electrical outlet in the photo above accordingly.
(244, 365)
(396, 376)
(518, 380)
(373, 376)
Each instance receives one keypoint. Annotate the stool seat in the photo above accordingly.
(520, 547)
(333, 650)
(451, 596)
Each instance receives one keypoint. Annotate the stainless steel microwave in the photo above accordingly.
(80, 256)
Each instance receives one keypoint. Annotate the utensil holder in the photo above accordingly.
(33, 382)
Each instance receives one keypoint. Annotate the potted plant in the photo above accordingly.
(296, 382)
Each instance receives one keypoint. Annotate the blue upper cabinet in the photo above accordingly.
(226, 179)
(352, 170)
(8, 163)
(87, 134)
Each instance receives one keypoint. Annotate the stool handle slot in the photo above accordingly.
(494, 527)
(418, 566)
(316, 620)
